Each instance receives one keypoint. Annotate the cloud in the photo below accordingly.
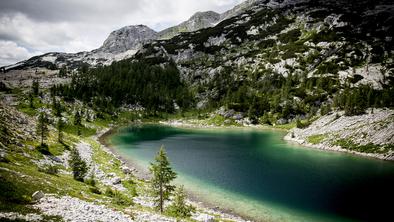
(74, 25)
(11, 52)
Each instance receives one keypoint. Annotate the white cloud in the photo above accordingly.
(74, 25)
(11, 52)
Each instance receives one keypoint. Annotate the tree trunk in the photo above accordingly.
(161, 198)
(42, 136)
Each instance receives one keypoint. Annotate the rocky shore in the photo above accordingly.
(374, 128)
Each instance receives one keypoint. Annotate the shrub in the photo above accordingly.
(49, 169)
(43, 148)
(302, 125)
(95, 190)
(91, 181)
(179, 208)
(121, 199)
(109, 192)
(4, 159)
(131, 187)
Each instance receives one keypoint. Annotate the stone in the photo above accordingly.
(281, 121)
(205, 218)
(37, 195)
(116, 180)
(238, 116)
(126, 170)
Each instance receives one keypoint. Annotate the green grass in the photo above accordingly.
(25, 108)
(286, 126)
(218, 120)
(85, 132)
(315, 139)
(368, 148)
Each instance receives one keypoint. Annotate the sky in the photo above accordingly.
(34, 27)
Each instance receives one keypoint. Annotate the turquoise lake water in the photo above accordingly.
(255, 173)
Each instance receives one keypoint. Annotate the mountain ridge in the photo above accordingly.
(116, 47)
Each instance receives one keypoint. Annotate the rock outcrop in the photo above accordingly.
(127, 38)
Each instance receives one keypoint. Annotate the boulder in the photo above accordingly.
(116, 180)
(282, 121)
(37, 195)
(126, 170)
(238, 116)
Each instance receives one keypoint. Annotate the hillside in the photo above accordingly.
(321, 70)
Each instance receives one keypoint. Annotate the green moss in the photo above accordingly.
(85, 132)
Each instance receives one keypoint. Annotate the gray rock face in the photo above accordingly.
(198, 21)
(239, 9)
(128, 38)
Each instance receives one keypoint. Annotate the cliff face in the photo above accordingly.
(198, 21)
(127, 38)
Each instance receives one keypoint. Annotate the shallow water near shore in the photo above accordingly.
(255, 173)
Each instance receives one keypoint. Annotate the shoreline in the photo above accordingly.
(287, 138)
(337, 149)
(102, 138)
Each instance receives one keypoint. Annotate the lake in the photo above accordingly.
(255, 173)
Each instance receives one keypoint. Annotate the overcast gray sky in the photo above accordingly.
(33, 27)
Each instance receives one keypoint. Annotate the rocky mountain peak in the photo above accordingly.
(208, 16)
(128, 38)
(199, 20)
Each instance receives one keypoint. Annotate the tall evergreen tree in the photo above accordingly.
(78, 165)
(42, 126)
(35, 87)
(78, 122)
(31, 100)
(60, 126)
(162, 175)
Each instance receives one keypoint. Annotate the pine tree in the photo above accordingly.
(78, 165)
(35, 87)
(162, 175)
(77, 122)
(179, 208)
(31, 100)
(60, 126)
(42, 126)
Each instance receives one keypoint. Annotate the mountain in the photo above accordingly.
(127, 38)
(125, 42)
(302, 38)
(120, 44)
(198, 21)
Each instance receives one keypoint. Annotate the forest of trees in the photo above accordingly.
(156, 88)
(274, 93)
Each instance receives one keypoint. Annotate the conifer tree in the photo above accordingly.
(78, 165)
(179, 208)
(77, 122)
(42, 126)
(60, 126)
(35, 87)
(162, 175)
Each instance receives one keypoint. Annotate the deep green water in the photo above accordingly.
(256, 173)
